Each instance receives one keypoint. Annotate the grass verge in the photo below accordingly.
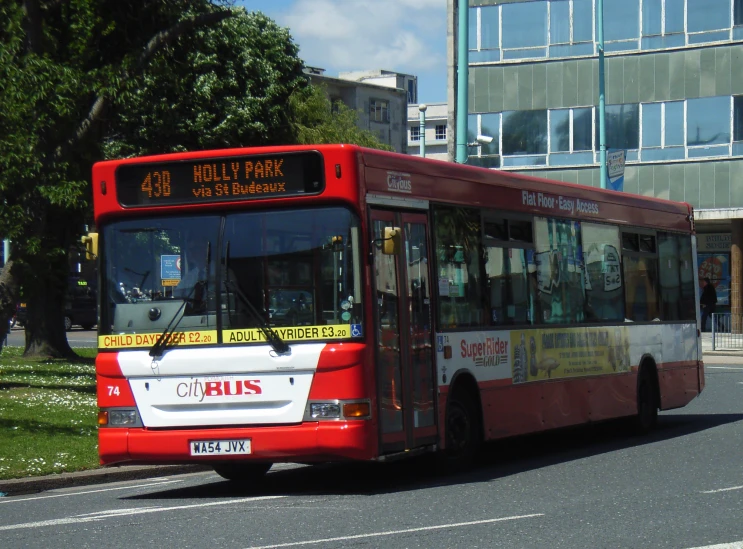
(47, 414)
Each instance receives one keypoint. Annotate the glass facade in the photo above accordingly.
(539, 29)
(674, 93)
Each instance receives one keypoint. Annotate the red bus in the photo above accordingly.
(328, 303)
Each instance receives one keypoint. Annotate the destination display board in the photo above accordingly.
(223, 179)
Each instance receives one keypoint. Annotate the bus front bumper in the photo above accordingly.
(308, 442)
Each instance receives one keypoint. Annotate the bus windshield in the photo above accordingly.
(214, 272)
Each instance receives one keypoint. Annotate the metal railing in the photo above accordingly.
(727, 331)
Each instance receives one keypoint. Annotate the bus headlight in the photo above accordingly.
(325, 410)
(338, 410)
(119, 417)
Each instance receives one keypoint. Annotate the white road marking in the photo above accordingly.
(129, 512)
(395, 532)
(15, 500)
(739, 368)
(733, 545)
(723, 490)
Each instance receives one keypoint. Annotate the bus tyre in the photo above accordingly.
(647, 401)
(242, 472)
(463, 432)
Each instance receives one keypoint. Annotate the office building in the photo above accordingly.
(674, 103)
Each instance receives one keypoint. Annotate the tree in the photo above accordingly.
(61, 66)
(318, 120)
(226, 86)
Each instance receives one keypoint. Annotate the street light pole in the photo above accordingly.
(462, 80)
(422, 108)
(602, 91)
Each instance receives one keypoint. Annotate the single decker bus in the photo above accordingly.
(328, 303)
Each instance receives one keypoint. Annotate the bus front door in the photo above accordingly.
(404, 352)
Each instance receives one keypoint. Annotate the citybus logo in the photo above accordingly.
(491, 352)
(399, 182)
(200, 390)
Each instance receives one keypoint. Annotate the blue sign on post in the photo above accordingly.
(170, 269)
(615, 169)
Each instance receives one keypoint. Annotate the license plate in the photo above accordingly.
(220, 447)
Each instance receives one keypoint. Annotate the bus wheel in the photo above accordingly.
(647, 401)
(242, 472)
(463, 433)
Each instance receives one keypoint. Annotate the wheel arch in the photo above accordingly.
(648, 367)
(464, 380)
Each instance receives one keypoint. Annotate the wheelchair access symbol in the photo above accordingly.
(356, 330)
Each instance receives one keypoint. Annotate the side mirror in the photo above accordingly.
(90, 241)
(392, 242)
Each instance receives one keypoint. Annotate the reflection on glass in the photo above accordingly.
(622, 126)
(674, 122)
(707, 15)
(490, 124)
(558, 260)
(511, 286)
(457, 242)
(524, 24)
(738, 118)
(388, 336)
(489, 28)
(582, 129)
(651, 17)
(583, 21)
(472, 29)
(641, 281)
(604, 298)
(560, 23)
(707, 121)
(560, 130)
(674, 16)
(525, 132)
(421, 353)
(161, 264)
(651, 124)
(621, 20)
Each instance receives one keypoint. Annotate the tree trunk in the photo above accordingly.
(45, 288)
(9, 296)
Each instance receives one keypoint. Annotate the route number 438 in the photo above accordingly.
(113, 390)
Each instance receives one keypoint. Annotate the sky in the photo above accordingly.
(407, 36)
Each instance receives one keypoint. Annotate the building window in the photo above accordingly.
(524, 30)
(379, 110)
(525, 138)
(622, 126)
(415, 133)
(708, 126)
(738, 12)
(571, 130)
(662, 132)
(440, 131)
(738, 118)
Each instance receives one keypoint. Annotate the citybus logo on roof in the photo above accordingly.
(399, 182)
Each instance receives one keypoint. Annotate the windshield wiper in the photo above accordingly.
(165, 341)
(278, 344)
(160, 345)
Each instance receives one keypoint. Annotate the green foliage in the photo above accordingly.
(320, 121)
(220, 87)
